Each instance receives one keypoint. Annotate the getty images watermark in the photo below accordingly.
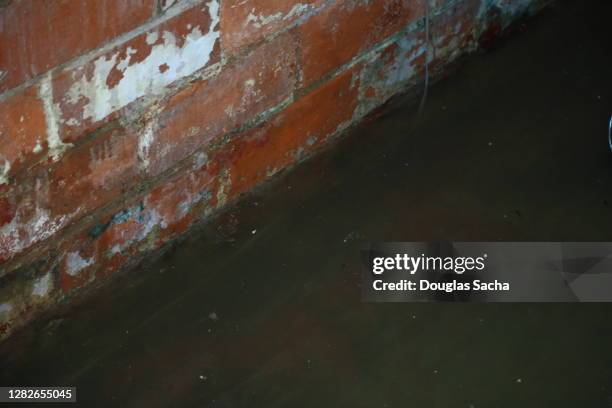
(487, 272)
(413, 264)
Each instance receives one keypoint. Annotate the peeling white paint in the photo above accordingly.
(200, 160)
(5, 308)
(19, 235)
(260, 20)
(144, 143)
(75, 263)
(38, 148)
(42, 286)
(152, 37)
(147, 137)
(145, 77)
(298, 10)
(52, 115)
(4, 172)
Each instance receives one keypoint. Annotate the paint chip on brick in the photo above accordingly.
(145, 77)
(75, 263)
(260, 20)
(4, 172)
(5, 308)
(42, 286)
(54, 142)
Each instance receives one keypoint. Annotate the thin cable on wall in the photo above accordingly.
(427, 45)
(610, 133)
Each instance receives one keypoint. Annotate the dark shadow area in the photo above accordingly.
(262, 308)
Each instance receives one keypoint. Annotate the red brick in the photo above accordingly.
(95, 173)
(453, 31)
(76, 268)
(396, 67)
(291, 134)
(174, 201)
(92, 94)
(7, 211)
(36, 35)
(245, 22)
(22, 129)
(50, 197)
(340, 32)
(144, 223)
(214, 107)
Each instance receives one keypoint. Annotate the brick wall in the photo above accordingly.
(123, 122)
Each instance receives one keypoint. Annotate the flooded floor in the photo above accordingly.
(262, 308)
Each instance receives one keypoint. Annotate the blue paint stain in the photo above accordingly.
(133, 213)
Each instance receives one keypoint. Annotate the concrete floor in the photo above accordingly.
(262, 308)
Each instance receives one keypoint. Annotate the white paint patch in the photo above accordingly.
(38, 148)
(4, 172)
(19, 235)
(260, 20)
(152, 37)
(75, 263)
(200, 161)
(52, 115)
(144, 143)
(42, 286)
(144, 77)
(5, 308)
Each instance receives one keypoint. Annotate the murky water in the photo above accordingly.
(263, 309)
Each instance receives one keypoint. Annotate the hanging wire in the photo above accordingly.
(610, 133)
(427, 46)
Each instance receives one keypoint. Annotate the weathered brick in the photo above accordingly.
(143, 224)
(346, 28)
(393, 69)
(95, 173)
(245, 22)
(213, 107)
(7, 211)
(291, 134)
(453, 30)
(50, 197)
(76, 268)
(23, 132)
(37, 35)
(91, 94)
